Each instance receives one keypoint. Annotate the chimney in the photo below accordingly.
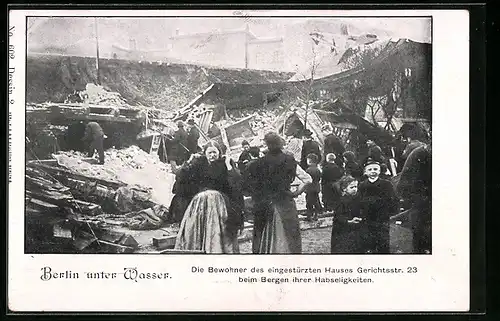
(132, 44)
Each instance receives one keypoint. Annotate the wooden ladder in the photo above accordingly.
(155, 144)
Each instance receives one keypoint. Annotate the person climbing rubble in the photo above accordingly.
(193, 135)
(94, 136)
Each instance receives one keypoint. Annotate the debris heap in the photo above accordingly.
(131, 166)
(94, 94)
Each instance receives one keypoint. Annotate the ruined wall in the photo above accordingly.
(166, 86)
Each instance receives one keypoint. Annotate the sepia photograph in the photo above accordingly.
(228, 135)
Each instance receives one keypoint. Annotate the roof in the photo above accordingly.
(390, 48)
(218, 32)
(265, 40)
(332, 63)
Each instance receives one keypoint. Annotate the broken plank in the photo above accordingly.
(87, 208)
(110, 118)
(108, 235)
(164, 242)
(60, 231)
(42, 205)
(83, 239)
(59, 200)
(63, 173)
(173, 251)
(128, 240)
(107, 247)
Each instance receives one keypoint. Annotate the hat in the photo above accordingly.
(370, 161)
(190, 121)
(307, 133)
(327, 127)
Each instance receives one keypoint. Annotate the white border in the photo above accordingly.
(442, 283)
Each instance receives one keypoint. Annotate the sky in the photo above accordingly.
(151, 31)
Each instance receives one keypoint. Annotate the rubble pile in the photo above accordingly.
(94, 94)
(83, 203)
(131, 166)
(175, 96)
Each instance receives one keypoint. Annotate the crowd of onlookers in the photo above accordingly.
(359, 191)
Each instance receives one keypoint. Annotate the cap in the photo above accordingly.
(370, 161)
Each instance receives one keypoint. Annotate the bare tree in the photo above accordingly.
(305, 86)
(379, 87)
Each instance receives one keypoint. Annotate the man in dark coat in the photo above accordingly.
(192, 137)
(94, 136)
(330, 175)
(332, 144)
(179, 149)
(308, 147)
(415, 187)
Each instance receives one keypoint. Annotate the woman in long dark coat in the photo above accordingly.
(215, 173)
(276, 222)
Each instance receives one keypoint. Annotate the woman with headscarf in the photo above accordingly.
(209, 171)
(276, 222)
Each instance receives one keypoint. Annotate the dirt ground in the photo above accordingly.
(317, 241)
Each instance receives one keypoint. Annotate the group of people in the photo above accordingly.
(210, 189)
(183, 143)
(355, 191)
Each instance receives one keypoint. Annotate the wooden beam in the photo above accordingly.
(186, 108)
(172, 251)
(64, 173)
(164, 242)
(110, 118)
(107, 247)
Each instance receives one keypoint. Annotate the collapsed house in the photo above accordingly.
(110, 211)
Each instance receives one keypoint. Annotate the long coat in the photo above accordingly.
(309, 147)
(201, 175)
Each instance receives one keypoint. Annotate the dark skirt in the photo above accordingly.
(348, 238)
(177, 208)
(378, 237)
(276, 228)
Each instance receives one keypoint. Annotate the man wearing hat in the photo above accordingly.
(94, 136)
(332, 144)
(192, 137)
(309, 146)
(179, 150)
(378, 203)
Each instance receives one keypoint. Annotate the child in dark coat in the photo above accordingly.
(378, 203)
(348, 225)
(330, 175)
(312, 192)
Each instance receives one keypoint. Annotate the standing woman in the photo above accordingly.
(215, 205)
(276, 221)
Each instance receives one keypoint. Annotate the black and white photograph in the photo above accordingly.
(154, 153)
(228, 135)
